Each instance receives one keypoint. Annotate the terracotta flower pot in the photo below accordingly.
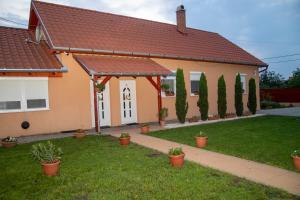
(79, 135)
(144, 129)
(177, 161)
(201, 141)
(296, 160)
(8, 144)
(124, 141)
(162, 123)
(51, 169)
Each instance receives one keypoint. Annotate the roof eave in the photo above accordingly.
(63, 69)
(150, 55)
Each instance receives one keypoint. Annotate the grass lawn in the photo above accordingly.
(267, 139)
(99, 168)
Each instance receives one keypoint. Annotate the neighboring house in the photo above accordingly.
(48, 72)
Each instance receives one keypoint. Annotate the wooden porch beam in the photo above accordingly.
(153, 83)
(95, 79)
(105, 80)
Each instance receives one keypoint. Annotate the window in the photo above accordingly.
(23, 94)
(244, 83)
(195, 79)
(168, 85)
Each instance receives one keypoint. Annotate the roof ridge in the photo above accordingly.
(119, 15)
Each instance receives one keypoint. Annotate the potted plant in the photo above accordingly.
(176, 157)
(164, 87)
(201, 139)
(296, 159)
(169, 93)
(124, 139)
(49, 156)
(213, 117)
(163, 114)
(100, 87)
(194, 119)
(145, 128)
(9, 142)
(80, 133)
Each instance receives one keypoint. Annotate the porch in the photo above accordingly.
(103, 68)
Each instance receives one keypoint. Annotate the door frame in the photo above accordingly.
(107, 91)
(134, 102)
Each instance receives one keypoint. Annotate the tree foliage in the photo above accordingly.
(270, 79)
(294, 81)
(222, 103)
(252, 101)
(203, 94)
(181, 103)
(238, 96)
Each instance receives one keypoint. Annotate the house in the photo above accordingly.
(48, 72)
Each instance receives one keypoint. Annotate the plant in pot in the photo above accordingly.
(124, 139)
(201, 139)
(49, 156)
(100, 87)
(145, 128)
(296, 159)
(194, 119)
(163, 114)
(80, 133)
(9, 142)
(176, 157)
(164, 87)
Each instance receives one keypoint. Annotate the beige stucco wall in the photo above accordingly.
(147, 95)
(69, 103)
(69, 98)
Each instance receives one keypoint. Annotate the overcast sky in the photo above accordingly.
(265, 28)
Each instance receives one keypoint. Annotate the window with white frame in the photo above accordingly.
(194, 80)
(244, 83)
(23, 94)
(168, 85)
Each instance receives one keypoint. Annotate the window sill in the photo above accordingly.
(165, 96)
(28, 110)
(194, 95)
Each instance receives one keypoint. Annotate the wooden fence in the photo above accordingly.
(288, 95)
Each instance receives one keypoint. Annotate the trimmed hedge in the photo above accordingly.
(222, 103)
(252, 101)
(203, 94)
(181, 103)
(238, 96)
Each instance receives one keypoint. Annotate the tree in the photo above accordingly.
(238, 96)
(203, 102)
(222, 103)
(181, 103)
(294, 81)
(252, 102)
(269, 79)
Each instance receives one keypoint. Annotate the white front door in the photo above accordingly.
(128, 101)
(104, 106)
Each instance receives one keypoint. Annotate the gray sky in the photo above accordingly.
(265, 28)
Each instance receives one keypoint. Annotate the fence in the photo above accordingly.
(288, 95)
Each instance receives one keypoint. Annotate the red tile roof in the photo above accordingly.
(18, 54)
(120, 65)
(69, 27)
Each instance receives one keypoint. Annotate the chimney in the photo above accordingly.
(180, 15)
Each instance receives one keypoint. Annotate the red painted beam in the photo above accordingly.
(153, 83)
(159, 97)
(96, 104)
(106, 79)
